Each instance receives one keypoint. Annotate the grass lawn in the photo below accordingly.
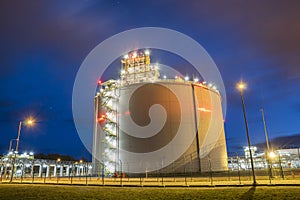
(17, 191)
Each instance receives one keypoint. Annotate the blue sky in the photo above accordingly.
(43, 44)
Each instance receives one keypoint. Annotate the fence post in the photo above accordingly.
(281, 170)
(86, 173)
(210, 172)
(102, 173)
(238, 162)
(32, 170)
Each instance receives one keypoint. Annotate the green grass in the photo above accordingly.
(16, 191)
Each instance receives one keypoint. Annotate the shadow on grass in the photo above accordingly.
(249, 194)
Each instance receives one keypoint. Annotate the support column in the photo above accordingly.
(68, 170)
(47, 170)
(61, 170)
(54, 171)
(77, 171)
(40, 170)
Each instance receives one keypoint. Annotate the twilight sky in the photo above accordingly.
(43, 44)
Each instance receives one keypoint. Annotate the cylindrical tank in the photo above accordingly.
(170, 125)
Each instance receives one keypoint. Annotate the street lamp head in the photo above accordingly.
(241, 86)
(29, 122)
(58, 159)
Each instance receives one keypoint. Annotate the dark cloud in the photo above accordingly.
(289, 141)
(269, 28)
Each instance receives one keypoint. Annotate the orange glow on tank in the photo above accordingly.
(204, 110)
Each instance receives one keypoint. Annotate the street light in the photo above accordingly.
(241, 86)
(29, 122)
(272, 155)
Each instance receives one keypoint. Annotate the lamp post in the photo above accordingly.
(28, 122)
(241, 86)
(268, 144)
(10, 144)
(265, 129)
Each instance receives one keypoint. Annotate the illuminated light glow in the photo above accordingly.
(134, 55)
(126, 56)
(241, 86)
(102, 118)
(214, 87)
(209, 85)
(30, 121)
(123, 71)
(99, 82)
(186, 78)
(204, 82)
(176, 77)
(272, 154)
(196, 80)
(165, 76)
(147, 52)
(204, 110)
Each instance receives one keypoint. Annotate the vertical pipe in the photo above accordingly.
(18, 138)
(196, 126)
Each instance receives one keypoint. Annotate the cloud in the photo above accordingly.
(269, 28)
(290, 141)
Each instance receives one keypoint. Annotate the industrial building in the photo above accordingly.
(144, 123)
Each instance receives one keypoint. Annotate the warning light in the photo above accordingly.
(99, 82)
(102, 118)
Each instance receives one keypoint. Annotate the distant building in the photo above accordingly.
(25, 165)
(285, 158)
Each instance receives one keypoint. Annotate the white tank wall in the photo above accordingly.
(171, 142)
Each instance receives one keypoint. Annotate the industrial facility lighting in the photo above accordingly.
(147, 52)
(186, 78)
(126, 56)
(272, 154)
(134, 55)
(196, 80)
(165, 76)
